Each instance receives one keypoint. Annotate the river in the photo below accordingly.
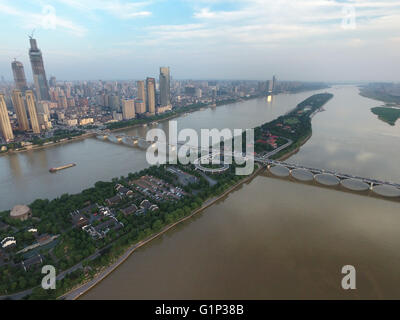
(269, 239)
(25, 176)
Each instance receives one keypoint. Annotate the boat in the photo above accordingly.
(52, 170)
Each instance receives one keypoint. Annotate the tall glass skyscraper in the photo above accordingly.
(39, 75)
(165, 98)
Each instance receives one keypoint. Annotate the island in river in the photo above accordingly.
(81, 254)
(387, 114)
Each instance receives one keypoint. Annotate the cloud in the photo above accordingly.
(272, 22)
(117, 8)
(32, 20)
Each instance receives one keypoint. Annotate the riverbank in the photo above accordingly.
(183, 112)
(294, 151)
(123, 245)
(137, 125)
(38, 147)
(77, 292)
(83, 288)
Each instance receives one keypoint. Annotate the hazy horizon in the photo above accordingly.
(305, 40)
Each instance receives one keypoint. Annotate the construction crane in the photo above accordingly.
(31, 35)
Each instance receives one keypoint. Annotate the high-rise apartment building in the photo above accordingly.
(19, 75)
(128, 109)
(140, 107)
(113, 102)
(63, 103)
(30, 102)
(165, 98)
(39, 74)
(5, 124)
(151, 95)
(44, 107)
(141, 91)
(44, 121)
(20, 110)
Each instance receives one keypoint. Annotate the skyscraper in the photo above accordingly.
(5, 124)
(274, 83)
(165, 98)
(141, 91)
(19, 75)
(151, 95)
(30, 102)
(270, 86)
(128, 109)
(39, 74)
(53, 82)
(20, 110)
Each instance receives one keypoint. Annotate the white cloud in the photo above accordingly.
(117, 8)
(32, 20)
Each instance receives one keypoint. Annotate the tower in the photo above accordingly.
(128, 109)
(274, 83)
(39, 74)
(19, 75)
(141, 91)
(5, 124)
(20, 110)
(165, 98)
(30, 102)
(151, 95)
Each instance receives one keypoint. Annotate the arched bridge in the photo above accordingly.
(281, 168)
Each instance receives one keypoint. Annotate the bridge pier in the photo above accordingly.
(371, 186)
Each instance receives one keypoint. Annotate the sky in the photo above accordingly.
(309, 40)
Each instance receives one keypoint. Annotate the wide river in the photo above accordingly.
(271, 238)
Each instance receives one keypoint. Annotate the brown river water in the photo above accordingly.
(269, 239)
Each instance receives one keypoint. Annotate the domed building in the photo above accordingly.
(20, 212)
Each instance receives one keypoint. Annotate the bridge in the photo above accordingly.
(278, 168)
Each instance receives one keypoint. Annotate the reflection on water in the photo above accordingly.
(348, 138)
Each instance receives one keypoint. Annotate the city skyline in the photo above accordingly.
(207, 39)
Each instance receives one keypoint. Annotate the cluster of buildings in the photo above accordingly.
(268, 138)
(96, 220)
(40, 109)
(157, 189)
(28, 111)
(29, 248)
(30, 108)
(147, 103)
